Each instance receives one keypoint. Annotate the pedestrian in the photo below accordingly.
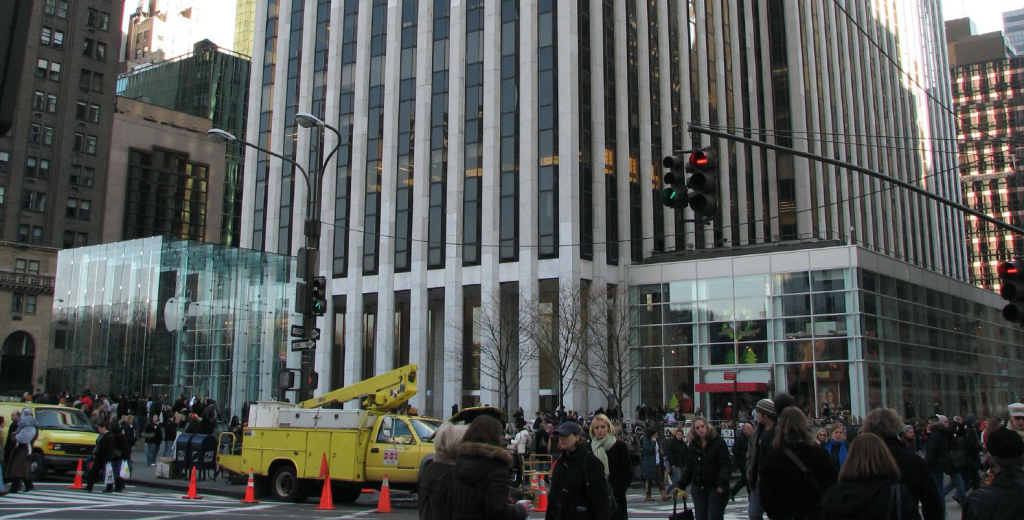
(1016, 421)
(614, 454)
(793, 477)
(10, 443)
(907, 437)
(822, 437)
(886, 423)
(675, 455)
(740, 449)
(707, 472)
(970, 444)
(940, 453)
(435, 480)
(522, 441)
(1001, 500)
(650, 465)
(153, 435)
(103, 453)
(194, 424)
(764, 411)
(128, 429)
(836, 445)
(121, 452)
(20, 468)
(579, 489)
(479, 481)
(869, 486)
(170, 433)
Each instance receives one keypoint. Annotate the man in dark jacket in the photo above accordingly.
(971, 446)
(1002, 499)
(675, 454)
(886, 423)
(937, 455)
(739, 457)
(765, 412)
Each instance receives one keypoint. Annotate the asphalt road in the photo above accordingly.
(53, 500)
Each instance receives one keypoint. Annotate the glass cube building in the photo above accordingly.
(166, 316)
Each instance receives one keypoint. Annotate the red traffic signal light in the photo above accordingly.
(1007, 269)
(1011, 288)
(700, 158)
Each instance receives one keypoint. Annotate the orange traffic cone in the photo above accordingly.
(250, 491)
(384, 504)
(192, 493)
(78, 477)
(533, 483)
(542, 500)
(326, 498)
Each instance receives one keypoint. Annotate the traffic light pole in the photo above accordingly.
(850, 166)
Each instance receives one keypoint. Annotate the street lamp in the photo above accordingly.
(220, 136)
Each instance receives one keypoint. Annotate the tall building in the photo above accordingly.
(161, 29)
(245, 24)
(986, 78)
(213, 84)
(511, 149)
(53, 168)
(1013, 27)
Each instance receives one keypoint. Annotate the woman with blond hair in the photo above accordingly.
(707, 471)
(869, 485)
(614, 454)
(433, 483)
(796, 473)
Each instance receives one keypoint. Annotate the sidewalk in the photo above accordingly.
(144, 475)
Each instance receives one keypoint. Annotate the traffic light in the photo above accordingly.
(318, 296)
(301, 300)
(312, 381)
(287, 378)
(1011, 288)
(702, 167)
(674, 194)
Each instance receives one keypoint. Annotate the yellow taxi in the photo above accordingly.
(65, 436)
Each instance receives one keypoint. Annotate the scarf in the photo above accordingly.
(842, 450)
(600, 448)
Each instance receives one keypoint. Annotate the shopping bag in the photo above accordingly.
(685, 514)
(108, 474)
(126, 470)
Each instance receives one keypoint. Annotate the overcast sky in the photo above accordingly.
(218, 18)
(987, 14)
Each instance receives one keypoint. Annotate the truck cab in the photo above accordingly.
(399, 446)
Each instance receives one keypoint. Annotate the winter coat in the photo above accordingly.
(914, 475)
(834, 453)
(868, 500)
(936, 452)
(649, 459)
(170, 429)
(20, 465)
(433, 490)
(620, 469)
(971, 446)
(522, 442)
(739, 451)
(9, 444)
(479, 484)
(710, 466)
(785, 492)
(759, 447)
(154, 429)
(578, 487)
(999, 501)
(675, 453)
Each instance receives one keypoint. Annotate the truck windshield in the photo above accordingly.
(425, 428)
(63, 419)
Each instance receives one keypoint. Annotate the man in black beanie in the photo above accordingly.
(1002, 499)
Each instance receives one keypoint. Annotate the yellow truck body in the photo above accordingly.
(284, 444)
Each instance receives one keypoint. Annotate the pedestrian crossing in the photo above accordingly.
(639, 508)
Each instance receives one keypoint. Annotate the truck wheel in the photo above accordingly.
(346, 494)
(285, 485)
(37, 467)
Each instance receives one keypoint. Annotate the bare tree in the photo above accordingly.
(609, 361)
(502, 320)
(561, 334)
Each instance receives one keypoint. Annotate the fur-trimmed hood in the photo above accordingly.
(485, 451)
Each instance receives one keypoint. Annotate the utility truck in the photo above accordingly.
(284, 443)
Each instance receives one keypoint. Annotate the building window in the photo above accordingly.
(20, 265)
(94, 49)
(93, 19)
(91, 81)
(48, 135)
(81, 110)
(78, 208)
(39, 100)
(58, 39)
(54, 71)
(82, 175)
(37, 235)
(62, 9)
(51, 103)
(84, 143)
(35, 133)
(73, 239)
(5, 161)
(50, 7)
(41, 67)
(17, 302)
(81, 239)
(79, 143)
(23, 233)
(90, 144)
(47, 36)
(3, 194)
(94, 113)
(47, 69)
(33, 201)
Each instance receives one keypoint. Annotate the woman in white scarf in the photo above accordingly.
(614, 454)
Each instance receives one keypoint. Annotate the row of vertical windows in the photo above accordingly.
(406, 138)
(610, 141)
(473, 188)
(438, 136)
(346, 109)
(547, 126)
(586, 137)
(290, 136)
(636, 215)
(265, 129)
(654, 48)
(509, 222)
(321, 61)
(375, 137)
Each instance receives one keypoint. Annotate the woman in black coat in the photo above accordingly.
(106, 444)
(614, 454)
(708, 471)
(783, 488)
(869, 486)
(579, 489)
(675, 454)
(479, 483)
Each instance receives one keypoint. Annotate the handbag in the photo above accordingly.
(125, 471)
(108, 474)
(685, 514)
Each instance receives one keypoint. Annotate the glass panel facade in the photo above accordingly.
(165, 316)
(841, 341)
